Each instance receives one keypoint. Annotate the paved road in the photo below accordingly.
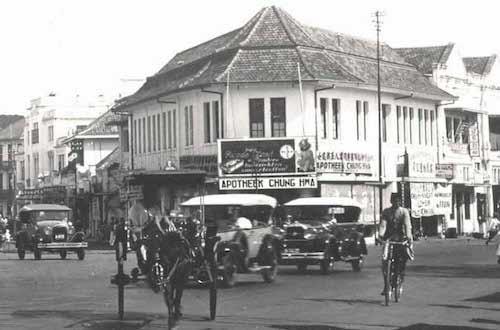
(451, 283)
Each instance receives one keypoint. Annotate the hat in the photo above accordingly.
(304, 144)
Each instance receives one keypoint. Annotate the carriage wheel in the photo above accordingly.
(229, 270)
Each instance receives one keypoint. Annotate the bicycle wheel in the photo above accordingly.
(396, 282)
(387, 281)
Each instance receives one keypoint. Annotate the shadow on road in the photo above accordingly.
(346, 301)
(492, 298)
(454, 271)
(424, 326)
(466, 307)
(306, 327)
(485, 321)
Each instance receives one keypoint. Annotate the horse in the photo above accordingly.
(170, 272)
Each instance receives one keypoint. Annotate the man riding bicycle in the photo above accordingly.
(395, 226)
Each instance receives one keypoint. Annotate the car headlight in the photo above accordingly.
(310, 233)
(46, 231)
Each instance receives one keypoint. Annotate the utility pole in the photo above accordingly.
(378, 24)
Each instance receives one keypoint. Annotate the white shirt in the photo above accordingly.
(243, 223)
(494, 224)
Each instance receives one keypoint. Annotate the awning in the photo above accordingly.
(166, 176)
(465, 109)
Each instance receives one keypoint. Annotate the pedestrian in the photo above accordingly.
(112, 234)
(493, 226)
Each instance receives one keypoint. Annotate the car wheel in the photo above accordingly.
(269, 274)
(21, 253)
(326, 265)
(357, 264)
(38, 254)
(81, 254)
(63, 254)
(229, 271)
(302, 267)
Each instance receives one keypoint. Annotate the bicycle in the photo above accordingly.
(392, 268)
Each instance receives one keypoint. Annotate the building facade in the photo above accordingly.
(276, 78)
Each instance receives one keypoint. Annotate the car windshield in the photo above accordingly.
(49, 215)
(318, 214)
(223, 216)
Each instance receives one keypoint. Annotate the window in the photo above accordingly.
(365, 117)
(169, 125)
(361, 117)
(398, 123)
(405, 124)
(60, 162)
(22, 170)
(426, 122)
(322, 106)
(278, 117)
(1, 154)
(186, 125)
(164, 123)
(420, 126)
(358, 114)
(188, 118)
(432, 127)
(51, 133)
(50, 159)
(36, 165)
(135, 136)
(256, 107)
(149, 134)
(411, 124)
(217, 130)
(191, 127)
(34, 134)
(139, 136)
(144, 134)
(158, 132)
(206, 121)
(174, 129)
(154, 132)
(335, 118)
(28, 168)
(385, 113)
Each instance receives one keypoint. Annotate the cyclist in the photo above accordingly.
(395, 225)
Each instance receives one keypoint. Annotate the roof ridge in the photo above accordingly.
(285, 26)
(252, 31)
(229, 66)
(297, 50)
(282, 15)
(255, 18)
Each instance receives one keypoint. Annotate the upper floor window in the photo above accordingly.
(60, 162)
(335, 118)
(174, 129)
(217, 119)
(398, 124)
(420, 120)
(134, 136)
(164, 131)
(149, 133)
(386, 108)
(144, 135)
(34, 134)
(51, 133)
(1, 154)
(206, 119)
(410, 113)
(361, 119)
(323, 109)
(154, 132)
(187, 126)
(278, 117)
(256, 117)
(432, 127)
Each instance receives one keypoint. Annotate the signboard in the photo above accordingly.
(421, 165)
(421, 196)
(266, 182)
(442, 199)
(444, 171)
(474, 140)
(345, 161)
(75, 156)
(265, 157)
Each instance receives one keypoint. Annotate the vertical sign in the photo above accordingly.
(474, 140)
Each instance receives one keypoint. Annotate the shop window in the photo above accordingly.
(256, 109)
(467, 205)
(322, 106)
(278, 117)
(335, 118)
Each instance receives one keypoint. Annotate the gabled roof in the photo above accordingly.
(99, 128)
(424, 58)
(269, 47)
(14, 130)
(479, 65)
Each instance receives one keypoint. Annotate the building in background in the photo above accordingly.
(11, 131)
(277, 79)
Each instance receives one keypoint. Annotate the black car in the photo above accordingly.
(321, 231)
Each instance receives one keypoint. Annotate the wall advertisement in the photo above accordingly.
(474, 140)
(429, 199)
(267, 163)
(344, 160)
(421, 165)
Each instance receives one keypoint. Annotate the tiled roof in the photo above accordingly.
(479, 65)
(425, 57)
(6, 120)
(99, 126)
(268, 48)
(14, 130)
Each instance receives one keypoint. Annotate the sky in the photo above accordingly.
(106, 46)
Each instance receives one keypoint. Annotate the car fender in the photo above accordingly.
(269, 243)
(224, 247)
(78, 237)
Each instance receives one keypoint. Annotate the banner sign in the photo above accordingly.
(442, 199)
(474, 140)
(265, 182)
(265, 157)
(75, 156)
(421, 195)
(348, 162)
(421, 165)
(444, 171)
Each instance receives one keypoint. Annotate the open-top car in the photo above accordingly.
(48, 227)
(243, 223)
(322, 230)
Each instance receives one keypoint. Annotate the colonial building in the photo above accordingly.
(276, 78)
(463, 128)
(11, 130)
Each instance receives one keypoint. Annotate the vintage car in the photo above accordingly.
(323, 230)
(248, 249)
(48, 227)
